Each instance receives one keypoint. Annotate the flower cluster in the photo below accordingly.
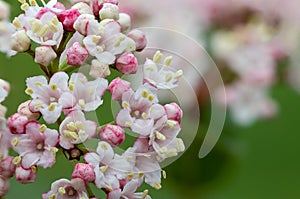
(92, 34)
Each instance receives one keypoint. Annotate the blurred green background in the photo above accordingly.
(261, 161)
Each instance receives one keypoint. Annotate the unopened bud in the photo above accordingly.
(44, 55)
(109, 11)
(139, 37)
(117, 87)
(127, 63)
(76, 55)
(99, 69)
(112, 134)
(20, 41)
(124, 21)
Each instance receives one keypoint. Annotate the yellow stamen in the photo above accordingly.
(164, 174)
(157, 57)
(44, 31)
(33, 169)
(61, 190)
(53, 87)
(15, 141)
(104, 169)
(130, 176)
(29, 91)
(145, 93)
(168, 60)
(42, 128)
(17, 160)
(157, 185)
(24, 6)
(140, 174)
(151, 98)
(51, 107)
(17, 23)
(32, 2)
(168, 77)
(178, 74)
(96, 38)
(160, 136)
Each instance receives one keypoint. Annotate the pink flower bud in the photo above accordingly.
(127, 63)
(4, 186)
(140, 39)
(20, 41)
(84, 172)
(124, 21)
(99, 69)
(4, 10)
(25, 176)
(83, 8)
(82, 22)
(16, 123)
(76, 55)
(44, 55)
(60, 6)
(112, 134)
(5, 85)
(109, 11)
(68, 18)
(173, 111)
(24, 110)
(117, 87)
(98, 5)
(7, 167)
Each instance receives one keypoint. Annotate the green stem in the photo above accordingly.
(54, 67)
(89, 192)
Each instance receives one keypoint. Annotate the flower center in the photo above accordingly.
(40, 146)
(70, 191)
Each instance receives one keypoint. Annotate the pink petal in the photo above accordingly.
(30, 159)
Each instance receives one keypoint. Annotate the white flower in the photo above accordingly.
(162, 77)
(75, 129)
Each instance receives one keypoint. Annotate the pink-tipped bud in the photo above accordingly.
(109, 11)
(117, 87)
(98, 69)
(60, 6)
(112, 134)
(7, 167)
(5, 85)
(16, 123)
(98, 5)
(68, 18)
(20, 41)
(4, 186)
(84, 172)
(44, 55)
(140, 39)
(76, 55)
(83, 8)
(127, 63)
(24, 110)
(82, 22)
(4, 10)
(25, 176)
(173, 111)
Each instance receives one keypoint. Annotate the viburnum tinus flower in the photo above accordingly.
(162, 77)
(67, 189)
(109, 167)
(75, 129)
(37, 146)
(49, 98)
